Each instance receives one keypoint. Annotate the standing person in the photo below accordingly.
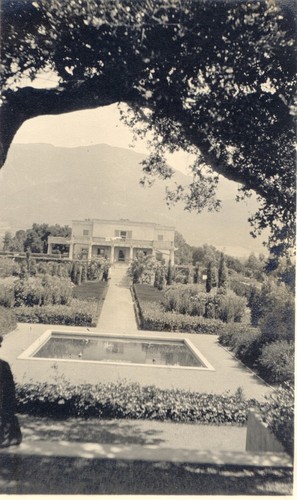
(10, 432)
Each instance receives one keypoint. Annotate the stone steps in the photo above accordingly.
(119, 275)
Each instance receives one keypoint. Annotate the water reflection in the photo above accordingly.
(119, 350)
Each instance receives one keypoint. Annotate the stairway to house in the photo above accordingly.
(119, 275)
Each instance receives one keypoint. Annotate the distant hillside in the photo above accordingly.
(43, 183)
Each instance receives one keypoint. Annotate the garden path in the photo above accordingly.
(117, 313)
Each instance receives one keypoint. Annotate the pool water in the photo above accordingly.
(119, 350)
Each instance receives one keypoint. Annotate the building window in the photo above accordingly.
(123, 235)
(160, 237)
(86, 232)
(100, 251)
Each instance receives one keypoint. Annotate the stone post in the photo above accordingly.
(90, 252)
(171, 257)
(112, 254)
(131, 253)
(71, 248)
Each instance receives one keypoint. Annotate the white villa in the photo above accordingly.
(117, 240)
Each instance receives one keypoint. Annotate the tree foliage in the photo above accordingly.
(215, 78)
(183, 251)
(34, 239)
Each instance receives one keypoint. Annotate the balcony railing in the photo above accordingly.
(113, 241)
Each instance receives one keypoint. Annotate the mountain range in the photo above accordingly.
(44, 183)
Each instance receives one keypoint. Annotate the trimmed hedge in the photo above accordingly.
(78, 313)
(7, 321)
(122, 400)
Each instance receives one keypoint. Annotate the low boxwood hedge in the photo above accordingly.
(78, 313)
(132, 401)
(122, 400)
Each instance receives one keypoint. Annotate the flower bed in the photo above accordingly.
(153, 316)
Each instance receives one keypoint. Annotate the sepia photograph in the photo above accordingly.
(147, 247)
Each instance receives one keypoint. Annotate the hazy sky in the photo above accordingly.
(84, 128)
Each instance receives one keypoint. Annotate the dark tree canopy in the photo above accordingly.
(33, 239)
(215, 78)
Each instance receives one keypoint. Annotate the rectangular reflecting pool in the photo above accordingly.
(120, 349)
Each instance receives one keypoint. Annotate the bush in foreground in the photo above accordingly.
(78, 313)
(278, 413)
(122, 400)
(132, 401)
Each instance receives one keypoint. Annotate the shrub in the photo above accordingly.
(230, 306)
(42, 290)
(7, 321)
(242, 285)
(122, 400)
(78, 313)
(154, 318)
(279, 323)
(243, 341)
(191, 300)
(273, 309)
(94, 269)
(276, 362)
(7, 292)
(8, 267)
(185, 299)
(160, 276)
(278, 413)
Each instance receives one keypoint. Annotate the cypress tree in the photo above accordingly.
(212, 277)
(223, 273)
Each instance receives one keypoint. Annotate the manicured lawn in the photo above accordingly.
(91, 290)
(148, 293)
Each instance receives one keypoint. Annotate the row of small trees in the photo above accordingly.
(77, 271)
(145, 269)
